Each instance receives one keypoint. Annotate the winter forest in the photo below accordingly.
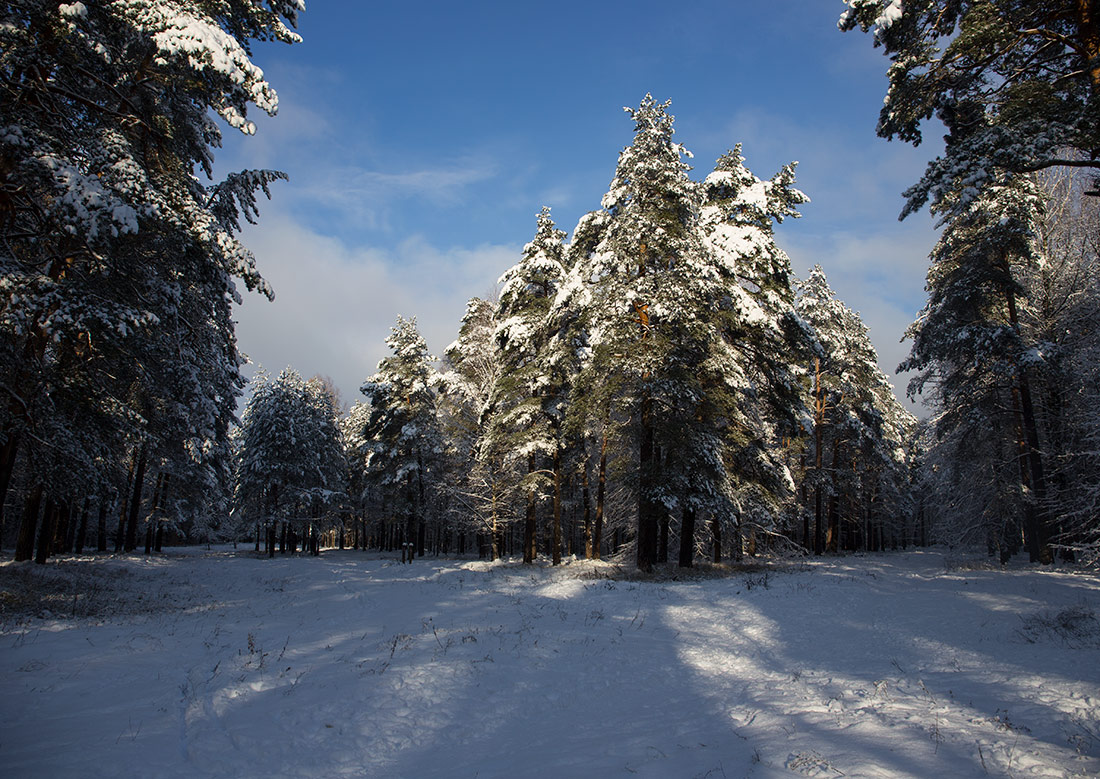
(655, 391)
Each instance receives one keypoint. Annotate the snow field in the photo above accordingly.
(222, 664)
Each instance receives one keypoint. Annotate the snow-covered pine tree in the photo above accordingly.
(858, 421)
(1016, 83)
(478, 485)
(1063, 319)
(970, 348)
(524, 406)
(107, 233)
(403, 433)
(356, 452)
(626, 292)
(762, 344)
(291, 469)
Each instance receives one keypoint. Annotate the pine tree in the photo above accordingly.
(118, 264)
(763, 343)
(291, 466)
(1016, 83)
(473, 369)
(857, 420)
(969, 343)
(403, 431)
(524, 425)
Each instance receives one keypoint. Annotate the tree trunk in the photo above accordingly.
(421, 518)
(647, 507)
(530, 549)
(716, 539)
(8, 452)
(662, 535)
(101, 526)
(819, 435)
(82, 529)
(832, 539)
(135, 501)
(46, 531)
(63, 532)
(586, 500)
(601, 493)
(1037, 543)
(555, 530)
(687, 537)
(24, 547)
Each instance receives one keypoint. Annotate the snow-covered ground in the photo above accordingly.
(351, 664)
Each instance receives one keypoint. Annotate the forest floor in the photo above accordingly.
(223, 664)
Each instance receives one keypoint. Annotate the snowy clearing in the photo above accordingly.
(224, 664)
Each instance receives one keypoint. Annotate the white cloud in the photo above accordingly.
(334, 304)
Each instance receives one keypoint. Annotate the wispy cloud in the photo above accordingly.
(335, 303)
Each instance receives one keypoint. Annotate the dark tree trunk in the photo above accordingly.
(46, 531)
(586, 500)
(601, 493)
(819, 434)
(63, 532)
(82, 529)
(24, 546)
(805, 506)
(819, 534)
(421, 504)
(687, 537)
(716, 538)
(135, 501)
(1038, 548)
(555, 529)
(647, 507)
(8, 452)
(530, 547)
(832, 540)
(101, 526)
(662, 535)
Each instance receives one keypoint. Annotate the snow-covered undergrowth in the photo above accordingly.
(224, 664)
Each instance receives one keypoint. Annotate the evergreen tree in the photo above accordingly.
(763, 343)
(291, 466)
(403, 432)
(479, 486)
(859, 425)
(525, 422)
(1015, 82)
(969, 342)
(118, 264)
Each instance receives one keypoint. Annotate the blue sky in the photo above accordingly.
(421, 138)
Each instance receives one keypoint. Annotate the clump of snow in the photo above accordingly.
(228, 664)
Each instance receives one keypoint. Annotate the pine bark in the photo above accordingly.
(530, 550)
(135, 501)
(647, 508)
(46, 532)
(101, 526)
(24, 547)
(687, 537)
(555, 530)
(601, 493)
